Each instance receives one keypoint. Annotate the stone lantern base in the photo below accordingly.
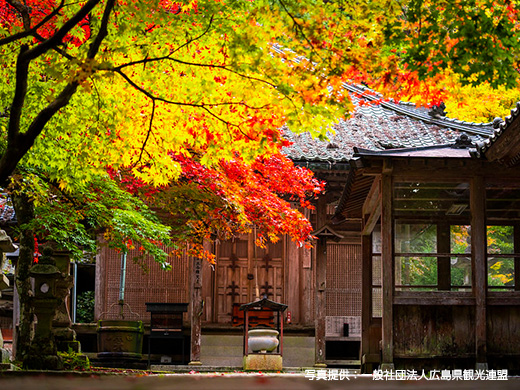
(263, 362)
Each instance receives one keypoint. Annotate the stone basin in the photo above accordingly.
(263, 340)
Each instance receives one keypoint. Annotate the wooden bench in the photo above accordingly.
(264, 317)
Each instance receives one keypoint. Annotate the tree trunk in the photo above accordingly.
(24, 213)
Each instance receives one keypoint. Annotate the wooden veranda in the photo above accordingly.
(441, 253)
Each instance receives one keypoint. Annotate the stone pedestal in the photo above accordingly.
(64, 335)
(263, 362)
(42, 352)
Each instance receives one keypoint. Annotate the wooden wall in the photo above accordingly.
(145, 282)
(433, 331)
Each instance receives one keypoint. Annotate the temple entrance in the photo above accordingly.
(244, 273)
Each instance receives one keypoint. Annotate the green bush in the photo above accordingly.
(74, 361)
(85, 307)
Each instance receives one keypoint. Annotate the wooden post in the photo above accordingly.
(321, 278)
(479, 264)
(387, 267)
(516, 244)
(196, 311)
(292, 288)
(100, 282)
(366, 295)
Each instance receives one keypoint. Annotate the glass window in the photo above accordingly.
(416, 273)
(501, 267)
(503, 235)
(432, 236)
(413, 267)
(460, 266)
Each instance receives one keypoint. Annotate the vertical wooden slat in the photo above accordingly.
(479, 263)
(366, 292)
(145, 282)
(321, 277)
(387, 254)
(208, 273)
(250, 265)
(516, 251)
(196, 307)
(100, 296)
(343, 293)
(292, 280)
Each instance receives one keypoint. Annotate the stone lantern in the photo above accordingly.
(44, 275)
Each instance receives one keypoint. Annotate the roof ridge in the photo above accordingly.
(483, 129)
(499, 126)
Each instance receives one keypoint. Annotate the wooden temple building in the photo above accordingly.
(402, 270)
(440, 239)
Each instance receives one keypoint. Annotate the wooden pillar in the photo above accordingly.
(321, 278)
(479, 265)
(366, 296)
(292, 283)
(100, 295)
(196, 310)
(387, 268)
(251, 264)
(516, 244)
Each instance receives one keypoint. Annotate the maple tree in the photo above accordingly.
(188, 98)
(157, 90)
(180, 103)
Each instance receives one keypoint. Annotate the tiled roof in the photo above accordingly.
(381, 126)
(499, 126)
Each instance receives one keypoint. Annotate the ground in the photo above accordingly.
(230, 381)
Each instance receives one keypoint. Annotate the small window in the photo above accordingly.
(460, 260)
(500, 257)
(434, 256)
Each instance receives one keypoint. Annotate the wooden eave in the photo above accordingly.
(506, 147)
(356, 190)
(264, 303)
(327, 232)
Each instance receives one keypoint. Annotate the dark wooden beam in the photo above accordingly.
(373, 198)
(434, 298)
(196, 308)
(387, 272)
(503, 298)
(366, 295)
(372, 207)
(321, 277)
(516, 244)
(479, 265)
(437, 171)
(372, 219)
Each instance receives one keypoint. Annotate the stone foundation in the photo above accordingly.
(263, 362)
